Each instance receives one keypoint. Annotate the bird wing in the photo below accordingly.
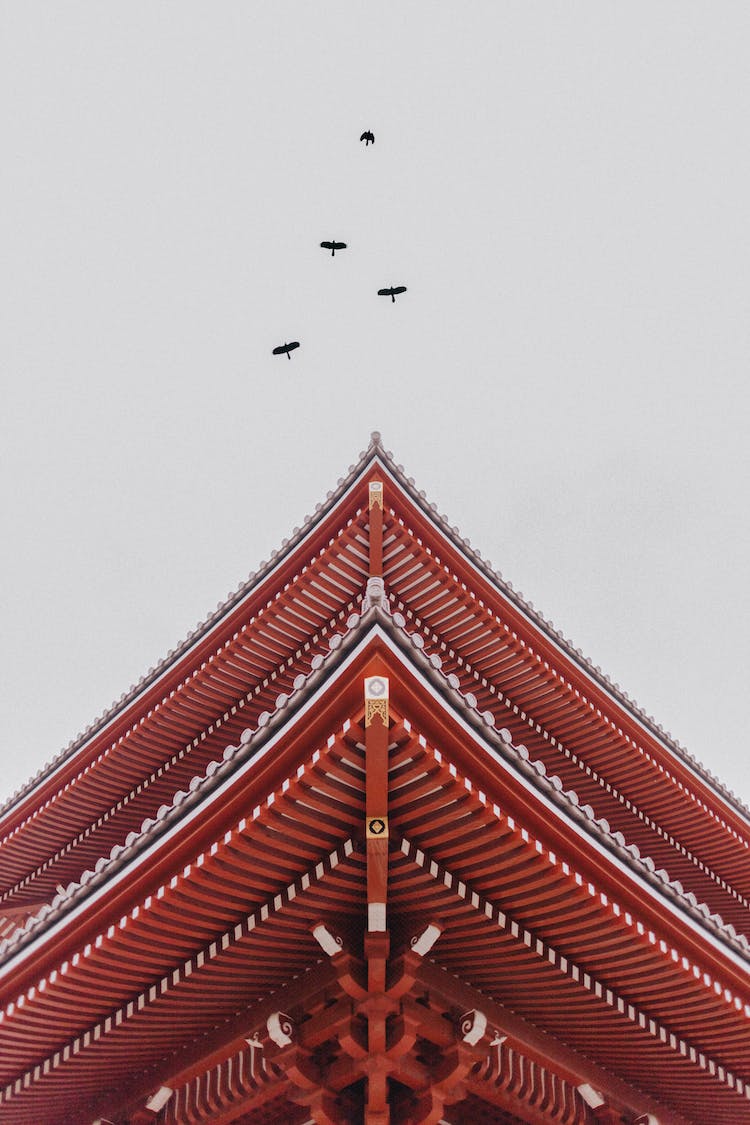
(363, 137)
(384, 292)
(339, 246)
(280, 350)
(399, 289)
(327, 245)
(294, 344)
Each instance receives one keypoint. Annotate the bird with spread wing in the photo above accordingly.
(368, 138)
(285, 349)
(392, 292)
(333, 247)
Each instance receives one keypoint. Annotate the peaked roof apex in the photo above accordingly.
(376, 452)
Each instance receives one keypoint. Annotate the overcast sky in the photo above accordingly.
(564, 189)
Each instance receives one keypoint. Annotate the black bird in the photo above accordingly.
(285, 349)
(392, 292)
(333, 246)
(368, 138)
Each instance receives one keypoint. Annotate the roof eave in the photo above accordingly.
(343, 649)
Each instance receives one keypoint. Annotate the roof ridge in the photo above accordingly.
(265, 567)
(376, 448)
(506, 588)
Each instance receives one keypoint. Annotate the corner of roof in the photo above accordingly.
(506, 588)
(376, 453)
(366, 456)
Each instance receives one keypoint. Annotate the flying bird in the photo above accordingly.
(333, 247)
(392, 292)
(285, 349)
(368, 138)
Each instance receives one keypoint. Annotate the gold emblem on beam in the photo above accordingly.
(376, 494)
(376, 699)
(376, 827)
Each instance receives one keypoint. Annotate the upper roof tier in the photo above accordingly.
(499, 650)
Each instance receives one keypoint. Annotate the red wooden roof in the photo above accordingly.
(589, 879)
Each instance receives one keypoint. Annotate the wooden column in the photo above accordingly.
(376, 942)
(375, 506)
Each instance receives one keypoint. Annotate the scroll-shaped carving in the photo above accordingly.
(423, 942)
(280, 1029)
(329, 942)
(473, 1026)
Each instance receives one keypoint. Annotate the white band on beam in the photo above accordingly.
(376, 917)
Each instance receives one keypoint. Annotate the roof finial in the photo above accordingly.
(375, 438)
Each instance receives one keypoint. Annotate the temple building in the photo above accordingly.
(376, 844)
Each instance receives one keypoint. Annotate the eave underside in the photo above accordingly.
(276, 638)
(197, 965)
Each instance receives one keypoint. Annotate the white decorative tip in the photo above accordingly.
(280, 1029)
(473, 1027)
(159, 1099)
(423, 943)
(591, 1096)
(327, 941)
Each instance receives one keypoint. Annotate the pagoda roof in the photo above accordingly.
(375, 455)
(342, 646)
(640, 965)
(585, 883)
(271, 632)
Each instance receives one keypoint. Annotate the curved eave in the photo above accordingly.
(276, 757)
(172, 672)
(202, 639)
(197, 646)
(176, 832)
(570, 659)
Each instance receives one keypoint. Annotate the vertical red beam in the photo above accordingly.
(376, 744)
(376, 800)
(375, 507)
(377, 938)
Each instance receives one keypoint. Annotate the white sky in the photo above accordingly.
(564, 189)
